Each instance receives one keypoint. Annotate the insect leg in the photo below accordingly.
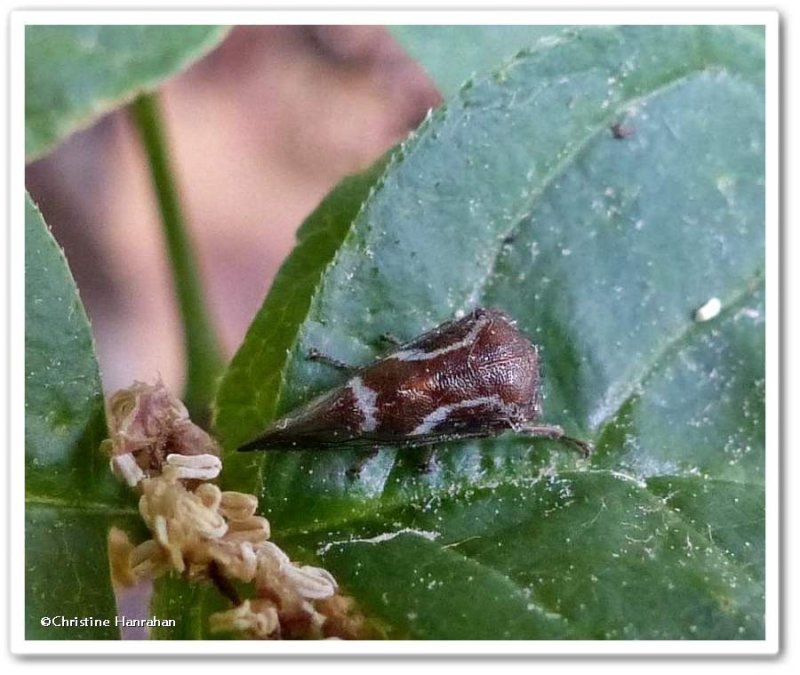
(556, 433)
(316, 355)
(390, 339)
(427, 460)
(355, 470)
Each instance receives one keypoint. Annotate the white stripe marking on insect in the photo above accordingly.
(366, 400)
(431, 420)
(422, 355)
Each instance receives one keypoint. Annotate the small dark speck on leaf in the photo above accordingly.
(620, 131)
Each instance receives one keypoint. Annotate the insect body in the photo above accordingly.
(474, 377)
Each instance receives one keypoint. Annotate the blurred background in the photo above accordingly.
(259, 131)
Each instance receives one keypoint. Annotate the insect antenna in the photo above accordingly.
(316, 355)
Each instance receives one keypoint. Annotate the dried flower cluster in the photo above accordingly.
(206, 534)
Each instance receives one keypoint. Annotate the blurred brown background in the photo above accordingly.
(259, 130)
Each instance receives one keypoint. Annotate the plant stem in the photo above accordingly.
(202, 352)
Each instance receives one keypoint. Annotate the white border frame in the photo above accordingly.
(19, 19)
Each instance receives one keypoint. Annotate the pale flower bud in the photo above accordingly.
(149, 560)
(271, 557)
(238, 505)
(257, 617)
(312, 583)
(195, 467)
(275, 569)
(126, 468)
(210, 495)
(235, 559)
(254, 529)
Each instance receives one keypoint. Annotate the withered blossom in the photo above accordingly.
(146, 422)
(208, 535)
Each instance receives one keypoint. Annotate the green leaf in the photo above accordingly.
(71, 499)
(75, 74)
(453, 54)
(518, 195)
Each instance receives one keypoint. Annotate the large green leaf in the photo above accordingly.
(453, 54)
(74, 74)
(517, 195)
(70, 496)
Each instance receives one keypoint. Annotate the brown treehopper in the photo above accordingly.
(474, 377)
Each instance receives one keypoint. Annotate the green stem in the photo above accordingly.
(202, 352)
